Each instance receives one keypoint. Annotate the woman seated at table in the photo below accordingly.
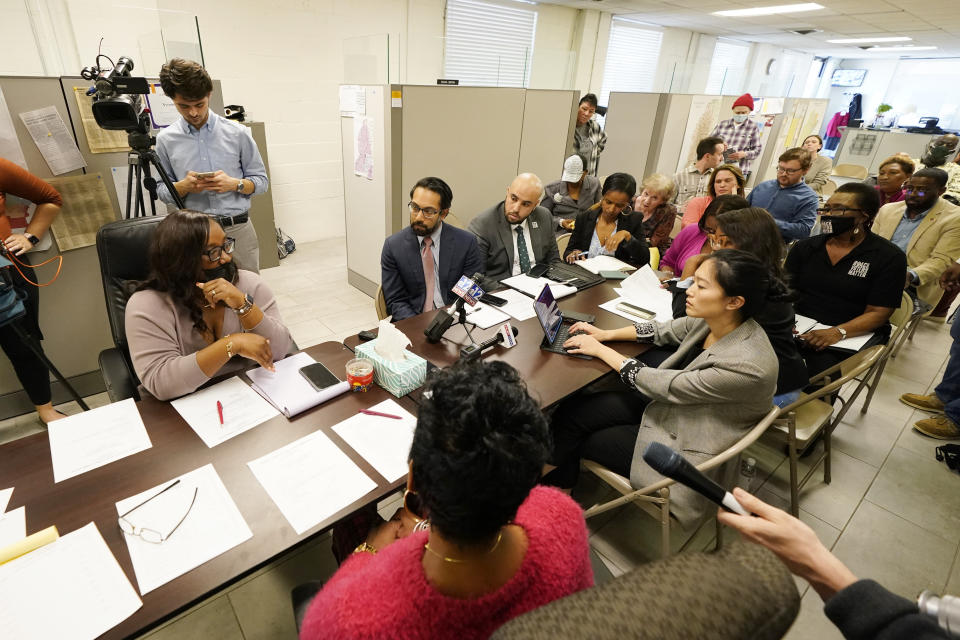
(608, 229)
(700, 401)
(753, 230)
(820, 166)
(894, 171)
(658, 214)
(726, 180)
(197, 312)
(496, 546)
(695, 240)
(847, 278)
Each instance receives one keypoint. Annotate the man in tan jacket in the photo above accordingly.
(927, 228)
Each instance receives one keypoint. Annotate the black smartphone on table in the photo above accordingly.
(496, 301)
(319, 376)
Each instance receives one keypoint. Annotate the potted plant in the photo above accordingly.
(881, 109)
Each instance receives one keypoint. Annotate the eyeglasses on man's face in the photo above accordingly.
(152, 535)
(213, 254)
(426, 212)
(789, 172)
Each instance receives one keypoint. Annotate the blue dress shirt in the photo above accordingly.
(220, 144)
(793, 208)
(905, 228)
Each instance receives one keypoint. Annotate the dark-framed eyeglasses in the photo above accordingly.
(213, 254)
(836, 211)
(427, 212)
(789, 172)
(151, 535)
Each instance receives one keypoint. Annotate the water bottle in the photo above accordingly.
(748, 474)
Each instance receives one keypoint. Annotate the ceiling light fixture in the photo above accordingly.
(769, 11)
(906, 48)
(859, 40)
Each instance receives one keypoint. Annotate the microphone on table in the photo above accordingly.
(472, 352)
(468, 292)
(668, 462)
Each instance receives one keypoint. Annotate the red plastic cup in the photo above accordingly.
(360, 374)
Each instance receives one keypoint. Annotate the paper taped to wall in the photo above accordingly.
(53, 139)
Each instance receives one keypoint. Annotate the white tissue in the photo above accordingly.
(391, 343)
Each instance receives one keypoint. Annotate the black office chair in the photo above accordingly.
(123, 247)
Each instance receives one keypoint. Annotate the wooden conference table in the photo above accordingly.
(550, 377)
(26, 465)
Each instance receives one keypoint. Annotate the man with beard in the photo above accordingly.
(926, 228)
(940, 154)
(420, 265)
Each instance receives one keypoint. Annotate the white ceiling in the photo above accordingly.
(933, 22)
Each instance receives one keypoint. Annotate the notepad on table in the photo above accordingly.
(485, 316)
(533, 286)
(289, 391)
(604, 263)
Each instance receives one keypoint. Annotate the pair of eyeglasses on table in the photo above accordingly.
(151, 535)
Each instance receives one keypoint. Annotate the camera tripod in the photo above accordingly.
(139, 160)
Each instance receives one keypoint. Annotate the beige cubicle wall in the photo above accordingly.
(632, 132)
(476, 138)
(72, 309)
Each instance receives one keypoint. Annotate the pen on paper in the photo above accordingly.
(220, 412)
(382, 415)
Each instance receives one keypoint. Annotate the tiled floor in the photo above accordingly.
(892, 512)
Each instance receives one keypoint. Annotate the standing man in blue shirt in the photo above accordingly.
(214, 162)
(791, 202)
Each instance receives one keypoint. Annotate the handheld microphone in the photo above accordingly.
(472, 352)
(944, 609)
(668, 462)
(468, 292)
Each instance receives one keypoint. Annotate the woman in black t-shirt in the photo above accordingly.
(847, 277)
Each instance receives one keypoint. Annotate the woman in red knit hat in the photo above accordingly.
(741, 135)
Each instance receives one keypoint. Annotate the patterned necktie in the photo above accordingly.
(522, 250)
(426, 256)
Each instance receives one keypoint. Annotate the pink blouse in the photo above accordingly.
(694, 210)
(689, 242)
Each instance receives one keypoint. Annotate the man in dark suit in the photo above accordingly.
(426, 256)
(517, 233)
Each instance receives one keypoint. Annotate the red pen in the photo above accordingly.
(220, 412)
(382, 415)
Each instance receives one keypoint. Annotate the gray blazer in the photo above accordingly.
(705, 407)
(496, 240)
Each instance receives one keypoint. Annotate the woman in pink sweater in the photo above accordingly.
(496, 546)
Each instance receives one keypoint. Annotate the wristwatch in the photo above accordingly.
(34, 240)
(843, 332)
(240, 186)
(244, 309)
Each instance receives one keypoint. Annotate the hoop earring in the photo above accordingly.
(423, 524)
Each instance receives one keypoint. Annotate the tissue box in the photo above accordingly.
(399, 378)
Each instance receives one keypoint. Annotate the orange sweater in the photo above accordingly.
(20, 182)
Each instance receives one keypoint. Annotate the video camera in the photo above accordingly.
(117, 104)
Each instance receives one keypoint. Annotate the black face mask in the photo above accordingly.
(227, 271)
(831, 226)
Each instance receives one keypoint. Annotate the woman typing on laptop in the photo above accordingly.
(718, 384)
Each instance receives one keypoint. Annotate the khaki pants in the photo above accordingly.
(246, 252)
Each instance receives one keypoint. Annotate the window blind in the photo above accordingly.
(727, 67)
(488, 44)
(632, 55)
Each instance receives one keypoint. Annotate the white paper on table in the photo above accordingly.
(78, 573)
(485, 316)
(604, 263)
(289, 391)
(805, 324)
(9, 144)
(243, 409)
(213, 526)
(5, 499)
(533, 286)
(13, 528)
(661, 305)
(611, 306)
(53, 139)
(310, 479)
(383, 442)
(97, 437)
(519, 305)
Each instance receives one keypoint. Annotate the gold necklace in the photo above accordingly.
(458, 560)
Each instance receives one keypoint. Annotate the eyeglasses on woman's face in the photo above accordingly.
(213, 254)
